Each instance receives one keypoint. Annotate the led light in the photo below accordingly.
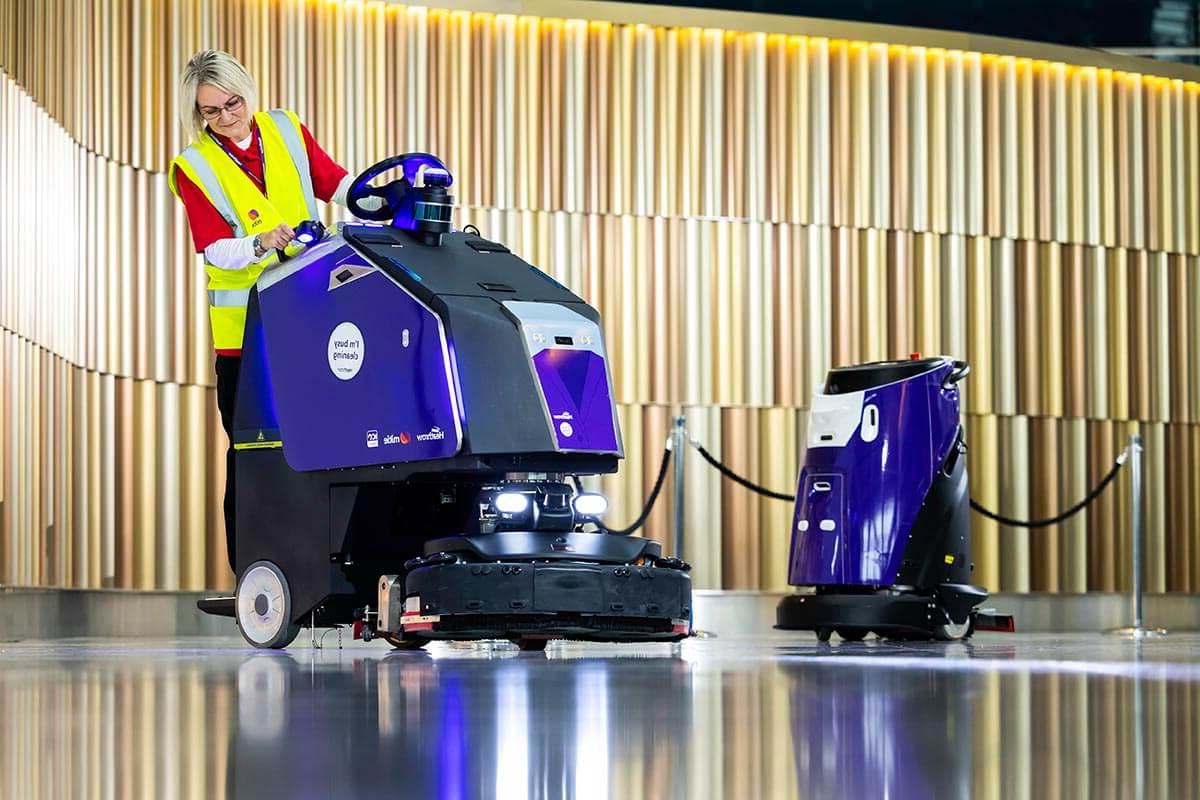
(309, 231)
(590, 504)
(511, 502)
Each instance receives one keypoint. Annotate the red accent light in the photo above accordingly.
(996, 623)
(914, 356)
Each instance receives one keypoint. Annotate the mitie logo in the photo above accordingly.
(434, 434)
(392, 438)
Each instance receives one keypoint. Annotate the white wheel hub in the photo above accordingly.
(952, 631)
(261, 604)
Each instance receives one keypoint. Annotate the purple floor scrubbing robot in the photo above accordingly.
(882, 524)
(416, 408)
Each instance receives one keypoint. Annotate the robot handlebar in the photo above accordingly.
(961, 370)
(423, 209)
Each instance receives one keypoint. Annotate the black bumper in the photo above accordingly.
(880, 612)
(597, 602)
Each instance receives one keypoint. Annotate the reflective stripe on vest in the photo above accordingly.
(213, 189)
(295, 145)
(228, 297)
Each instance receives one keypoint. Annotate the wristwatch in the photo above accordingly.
(259, 250)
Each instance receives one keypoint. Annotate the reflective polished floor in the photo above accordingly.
(767, 716)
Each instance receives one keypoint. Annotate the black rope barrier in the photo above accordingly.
(1057, 518)
(1017, 523)
(733, 476)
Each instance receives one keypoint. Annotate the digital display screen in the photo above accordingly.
(564, 340)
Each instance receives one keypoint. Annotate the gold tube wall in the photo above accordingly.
(746, 209)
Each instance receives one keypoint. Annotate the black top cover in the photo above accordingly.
(843, 380)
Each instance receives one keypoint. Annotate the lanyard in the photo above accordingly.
(262, 159)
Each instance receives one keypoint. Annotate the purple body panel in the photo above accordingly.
(575, 386)
(856, 503)
(397, 406)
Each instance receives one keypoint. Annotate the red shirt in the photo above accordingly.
(206, 222)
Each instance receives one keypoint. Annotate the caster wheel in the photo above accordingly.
(951, 632)
(264, 607)
(824, 634)
(531, 645)
(852, 634)
(399, 643)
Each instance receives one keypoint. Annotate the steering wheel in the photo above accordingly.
(393, 192)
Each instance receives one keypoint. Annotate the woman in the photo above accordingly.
(246, 181)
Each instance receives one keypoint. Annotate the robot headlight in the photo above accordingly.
(590, 504)
(511, 503)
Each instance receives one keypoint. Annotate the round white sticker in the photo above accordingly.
(345, 351)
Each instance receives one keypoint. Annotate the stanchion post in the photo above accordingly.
(1135, 477)
(679, 445)
(1137, 630)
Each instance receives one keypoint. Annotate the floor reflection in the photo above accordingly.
(157, 720)
(509, 727)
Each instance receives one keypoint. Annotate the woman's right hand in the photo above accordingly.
(277, 238)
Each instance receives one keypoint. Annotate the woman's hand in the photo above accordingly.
(277, 238)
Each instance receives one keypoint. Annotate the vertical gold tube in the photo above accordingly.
(1177, 188)
(859, 80)
(935, 68)
(1178, 345)
(928, 270)
(820, 118)
(873, 320)
(1074, 305)
(841, 132)
(953, 294)
(1157, 120)
(978, 313)
(1022, 156)
(881, 135)
(958, 169)
(918, 147)
(1004, 326)
(1029, 350)
(1074, 541)
(1046, 501)
(1109, 313)
(1191, 150)
(1050, 302)
(1060, 155)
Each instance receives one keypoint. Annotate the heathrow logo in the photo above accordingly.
(435, 433)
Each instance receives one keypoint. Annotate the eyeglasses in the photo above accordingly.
(231, 105)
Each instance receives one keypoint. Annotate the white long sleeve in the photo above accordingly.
(231, 253)
(343, 189)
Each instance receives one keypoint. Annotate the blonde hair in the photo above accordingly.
(223, 71)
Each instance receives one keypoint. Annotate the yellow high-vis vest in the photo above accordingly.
(248, 211)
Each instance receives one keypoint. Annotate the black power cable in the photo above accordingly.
(658, 484)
